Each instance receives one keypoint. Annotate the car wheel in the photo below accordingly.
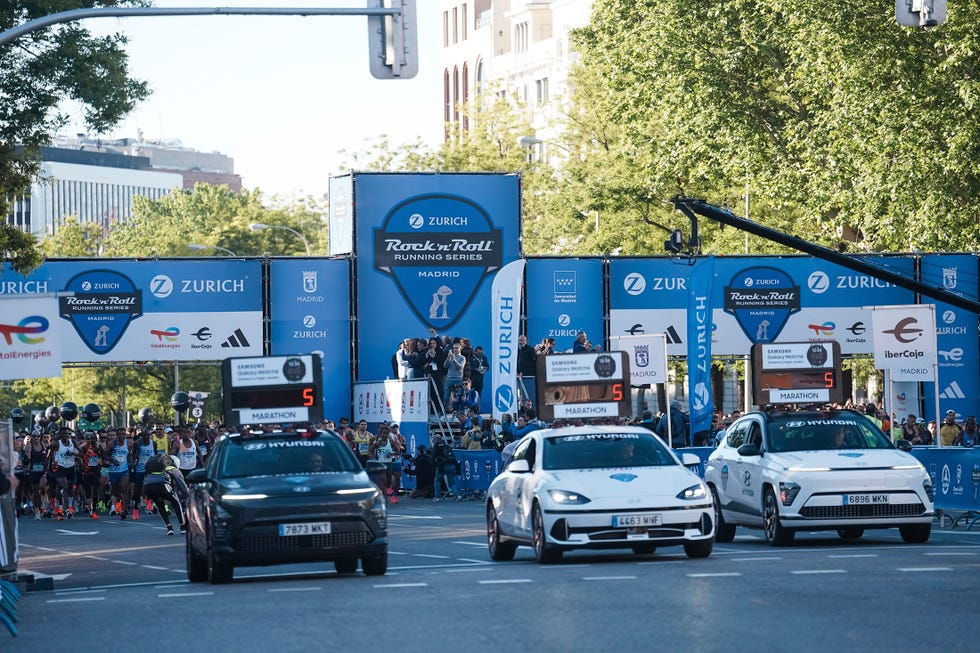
(375, 565)
(850, 533)
(345, 565)
(499, 550)
(197, 565)
(723, 532)
(698, 548)
(776, 535)
(916, 533)
(218, 572)
(543, 552)
(643, 549)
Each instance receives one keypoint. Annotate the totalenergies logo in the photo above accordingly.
(24, 329)
(825, 330)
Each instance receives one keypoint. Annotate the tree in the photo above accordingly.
(73, 239)
(838, 118)
(216, 216)
(37, 72)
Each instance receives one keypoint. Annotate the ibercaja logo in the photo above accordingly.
(437, 248)
(100, 305)
(762, 299)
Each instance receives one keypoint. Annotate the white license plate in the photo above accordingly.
(865, 499)
(312, 528)
(635, 520)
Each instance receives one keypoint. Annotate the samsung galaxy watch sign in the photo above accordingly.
(437, 249)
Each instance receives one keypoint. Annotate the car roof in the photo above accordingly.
(809, 414)
(596, 428)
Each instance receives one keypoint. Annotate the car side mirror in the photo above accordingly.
(198, 476)
(749, 450)
(690, 459)
(519, 466)
(904, 444)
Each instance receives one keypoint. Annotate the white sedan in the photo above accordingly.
(597, 487)
(827, 470)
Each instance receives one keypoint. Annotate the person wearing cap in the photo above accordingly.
(950, 430)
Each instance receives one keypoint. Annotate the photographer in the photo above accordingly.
(455, 362)
(466, 397)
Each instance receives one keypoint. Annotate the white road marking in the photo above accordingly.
(123, 562)
(719, 574)
(478, 562)
(481, 544)
(608, 577)
(914, 569)
(754, 559)
(431, 555)
(60, 576)
(296, 589)
(504, 581)
(951, 553)
(155, 567)
(177, 595)
(486, 567)
(77, 600)
(854, 555)
(403, 585)
(75, 592)
(804, 572)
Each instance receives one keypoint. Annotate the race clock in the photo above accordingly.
(796, 373)
(272, 389)
(580, 386)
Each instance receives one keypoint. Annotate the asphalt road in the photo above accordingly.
(122, 585)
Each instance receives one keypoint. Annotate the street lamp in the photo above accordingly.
(194, 247)
(258, 226)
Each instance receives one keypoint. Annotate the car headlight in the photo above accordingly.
(569, 498)
(243, 497)
(927, 486)
(692, 493)
(221, 513)
(788, 492)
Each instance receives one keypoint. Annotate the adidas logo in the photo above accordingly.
(673, 338)
(237, 339)
(952, 391)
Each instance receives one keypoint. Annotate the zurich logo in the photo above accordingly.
(564, 320)
(503, 398)
(818, 282)
(949, 317)
(416, 221)
(701, 396)
(623, 478)
(161, 286)
(634, 283)
(309, 321)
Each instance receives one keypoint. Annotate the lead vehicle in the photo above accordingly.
(816, 470)
(597, 487)
(283, 497)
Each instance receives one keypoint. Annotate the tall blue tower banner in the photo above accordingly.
(159, 310)
(309, 305)
(564, 296)
(956, 334)
(425, 246)
(699, 311)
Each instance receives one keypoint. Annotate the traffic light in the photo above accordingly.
(393, 40)
(920, 13)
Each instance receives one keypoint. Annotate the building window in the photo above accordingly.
(466, 95)
(479, 76)
(541, 89)
(463, 22)
(520, 37)
(456, 95)
(445, 29)
(455, 26)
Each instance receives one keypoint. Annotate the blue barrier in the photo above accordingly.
(476, 469)
(955, 473)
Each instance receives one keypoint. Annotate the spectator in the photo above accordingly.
(679, 424)
(582, 344)
(950, 430)
(910, 431)
(424, 474)
(472, 439)
(526, 357)
(444, 466)
(967, 437)
(405, 359)
(455, 362)
(467, 398)
(478, 367)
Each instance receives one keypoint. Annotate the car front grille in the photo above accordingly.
(269, 543)
(855, 512)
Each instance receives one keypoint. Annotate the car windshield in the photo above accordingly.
(816, 433)
(286, 456)
(592, 450)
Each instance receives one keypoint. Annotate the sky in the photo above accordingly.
(281, 95)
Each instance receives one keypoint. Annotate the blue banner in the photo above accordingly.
(309, 304)
(699, 311)
(160, 310)
(955, 474)
(956, 334)
(425, 246)
(564, 296)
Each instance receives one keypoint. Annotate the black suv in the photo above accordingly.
(284, 497)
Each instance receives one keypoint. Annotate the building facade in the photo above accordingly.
(96, 181)
(519, 48)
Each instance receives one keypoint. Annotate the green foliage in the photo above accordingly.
(73, 239)
(37, 72)
(832, 115)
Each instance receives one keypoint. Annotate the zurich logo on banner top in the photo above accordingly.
(762, 299)
(101, 305)
(437, 248)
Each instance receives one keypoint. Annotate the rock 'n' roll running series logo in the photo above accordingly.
(100, 306)
(437, 248)
(762, 299)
